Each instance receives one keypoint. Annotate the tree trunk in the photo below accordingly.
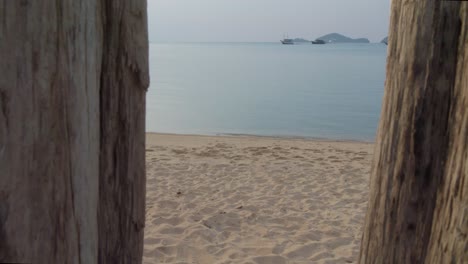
(418, 209)
(72, 87)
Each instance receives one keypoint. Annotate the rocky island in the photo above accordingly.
(338, 38)
(384, 41)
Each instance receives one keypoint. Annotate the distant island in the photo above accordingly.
(332, 38)
(338, 38)
(300, 40)
(385, 40)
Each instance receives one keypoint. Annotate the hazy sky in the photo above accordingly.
(265, 20)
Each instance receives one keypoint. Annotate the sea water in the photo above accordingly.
(331, 91)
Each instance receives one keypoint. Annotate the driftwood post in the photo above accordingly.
(73, 77)
(418, 209)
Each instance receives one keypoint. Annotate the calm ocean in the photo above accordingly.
(320, 91)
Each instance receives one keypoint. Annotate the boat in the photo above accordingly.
(318, 41)
(287, 41)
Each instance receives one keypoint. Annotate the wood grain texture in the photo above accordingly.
(54, 74)
(421, 122)
(449, 237)
(49, 148)
(122, 181)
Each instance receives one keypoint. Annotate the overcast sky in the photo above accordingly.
(265, 20)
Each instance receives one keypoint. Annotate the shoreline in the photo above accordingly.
(273, 137)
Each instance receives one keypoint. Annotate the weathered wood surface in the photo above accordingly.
(449, 236)
(418, 209)
(71, 130)
(122, 181)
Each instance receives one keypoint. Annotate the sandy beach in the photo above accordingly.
(259, 200)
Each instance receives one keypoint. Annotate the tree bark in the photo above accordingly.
(418, 209)
(72, 87)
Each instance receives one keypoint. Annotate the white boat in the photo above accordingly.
(286, 40)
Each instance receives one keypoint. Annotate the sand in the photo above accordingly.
(259, 200)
